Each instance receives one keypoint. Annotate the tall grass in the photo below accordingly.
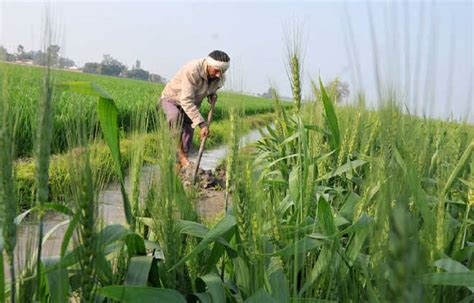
(130, 96)
(7, 189)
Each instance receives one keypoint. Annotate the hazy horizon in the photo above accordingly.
(429, 42)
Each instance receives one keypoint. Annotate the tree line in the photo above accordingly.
(108, 66)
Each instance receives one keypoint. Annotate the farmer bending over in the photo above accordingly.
(183, 95)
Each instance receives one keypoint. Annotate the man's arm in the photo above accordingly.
(212, 99)
(187, 99)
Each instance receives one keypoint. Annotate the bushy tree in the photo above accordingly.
(91, 68)
(53, 53)
(65, 62)
(269, 93)
(138, 74)
(20, 51)
(157, 78)
(111, 66)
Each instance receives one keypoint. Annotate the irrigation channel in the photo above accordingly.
(111, 207)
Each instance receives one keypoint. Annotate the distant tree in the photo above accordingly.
(20, 51)
(138, 65)
(156, 78)
(29, 55)
(53, 52)
(111, 66)
(3, 53)
(91, 68)
(65, 62)
(138, 74)
(338, 89)
(40, 58)
(269, 93)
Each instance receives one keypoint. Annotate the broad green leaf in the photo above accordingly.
(68, 234)
(202, 297)
(279, 288)
(59, 208)
(450, 278)
(281, 159)
(285, 204)
(196, 230)
(104, 269)
(58, 281)
(260, 296)
(331, 118)
(135, 244)
(294, 183)
(461, 164)
(213, 286)
(309, 300)
(112, 233)
(137, 294)
(363, 223)
(343, 169)
(218, 250)
(214, 234)
(327, 255)
(347, 210)
(107, 114)
(84, 88)
(325, 258)
(340, 220)
(360, 231)
(242, 275)
(451, 265)
(298, 247)
(325, 217)
(192, 228)
(107, 236)
(290, 138)
(138, 270)
(399, 159)
(316, 128)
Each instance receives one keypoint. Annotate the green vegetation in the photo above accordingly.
(133, 98)
(334, 204)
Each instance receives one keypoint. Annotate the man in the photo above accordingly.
(183, 95)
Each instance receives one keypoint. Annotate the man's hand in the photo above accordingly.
(212, 99)
(204, 130)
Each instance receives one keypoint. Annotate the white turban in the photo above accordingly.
(221, 65)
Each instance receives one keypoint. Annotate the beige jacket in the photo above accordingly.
(188, 88)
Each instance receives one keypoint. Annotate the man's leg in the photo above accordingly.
(187, 134)
(174, 117)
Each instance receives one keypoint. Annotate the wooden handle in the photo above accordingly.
(203, 143)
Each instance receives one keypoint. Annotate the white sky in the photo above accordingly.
(165, 35)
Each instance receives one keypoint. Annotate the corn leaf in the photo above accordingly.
(137, 294)
(260, 296)
(331, 118)
(138, 270)
(212, 284)
(213, 235)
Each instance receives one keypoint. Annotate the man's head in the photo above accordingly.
(217, 63)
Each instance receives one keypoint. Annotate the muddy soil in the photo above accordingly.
(211, 189)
